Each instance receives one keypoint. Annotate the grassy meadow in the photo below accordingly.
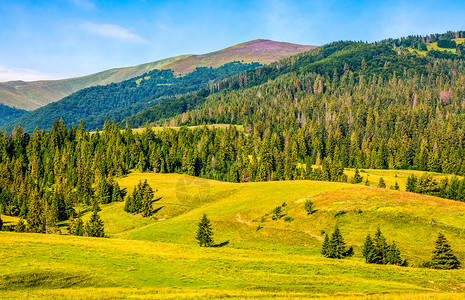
(255, 256)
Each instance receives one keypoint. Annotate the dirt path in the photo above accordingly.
(249, 223)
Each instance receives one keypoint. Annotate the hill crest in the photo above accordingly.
(32, 95)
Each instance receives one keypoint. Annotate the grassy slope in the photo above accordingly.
(160, 256)
(434, 46)
(32, 95)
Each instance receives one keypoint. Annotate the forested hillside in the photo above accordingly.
(343, 105)
(8, 114)
(116, 101)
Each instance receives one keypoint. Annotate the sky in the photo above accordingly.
(56, 39)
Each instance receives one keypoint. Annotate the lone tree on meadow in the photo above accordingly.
(204, 232)
(443, 257)
(381, 183)
(309, 207)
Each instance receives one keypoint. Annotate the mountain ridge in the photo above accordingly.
(35, 94)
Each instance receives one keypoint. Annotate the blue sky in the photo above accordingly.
(67, 38)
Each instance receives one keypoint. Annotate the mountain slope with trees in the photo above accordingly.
(32, 95)
(118, 100)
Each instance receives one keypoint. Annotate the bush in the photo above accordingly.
(288, 219)
(450, 44)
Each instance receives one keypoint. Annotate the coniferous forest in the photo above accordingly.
(343, 105)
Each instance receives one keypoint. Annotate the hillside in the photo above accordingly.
(117, 101)
(32, 95)
(159, 255)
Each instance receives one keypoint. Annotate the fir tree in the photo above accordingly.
(381, 183)
(357, 177)
(368, 250)
(393, 255)
(325, 246)
(95, 227)
(20, 226)
(411, 183)
(380, 248)
(147, 200)
(79, 227)
(35, 220)
(337, 246)
(204, 232)
(443, 257)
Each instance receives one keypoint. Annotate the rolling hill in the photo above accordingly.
(32, 95)
(258, 257)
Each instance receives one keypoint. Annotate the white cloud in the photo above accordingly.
(113, 31)
(24, 74)
(83, 3)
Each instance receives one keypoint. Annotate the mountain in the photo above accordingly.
(117, 101)
(35, 94)
(32, 95)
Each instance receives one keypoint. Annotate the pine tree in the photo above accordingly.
(368, 250)
(325, 246)
(380, 248)
(381, 183)
(79, 227)
(116, 195)
(204, 232)
(147, 200)
(337, 246)
(35, 220)
(357, 177)
(20, 226)
(411, 183)
(393, 255)
(443, 257)
(95, 227)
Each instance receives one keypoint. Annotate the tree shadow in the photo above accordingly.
(221, 244)
(157, 210)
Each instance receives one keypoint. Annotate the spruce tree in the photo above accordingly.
(325, 246)
(443, 257)
(411, 183)
(1, 222)
(337, 246)
(368, 250)
(204, 232)
(95, 227)
(381, 183)
(79, 227)
(380, 248)
(20, 226)
(357, 177)
(147, 200)
(393, 255)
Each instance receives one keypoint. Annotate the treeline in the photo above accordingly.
(117, 101)
(450, 188)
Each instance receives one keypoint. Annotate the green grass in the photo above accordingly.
(391, 176)
(158, 257)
